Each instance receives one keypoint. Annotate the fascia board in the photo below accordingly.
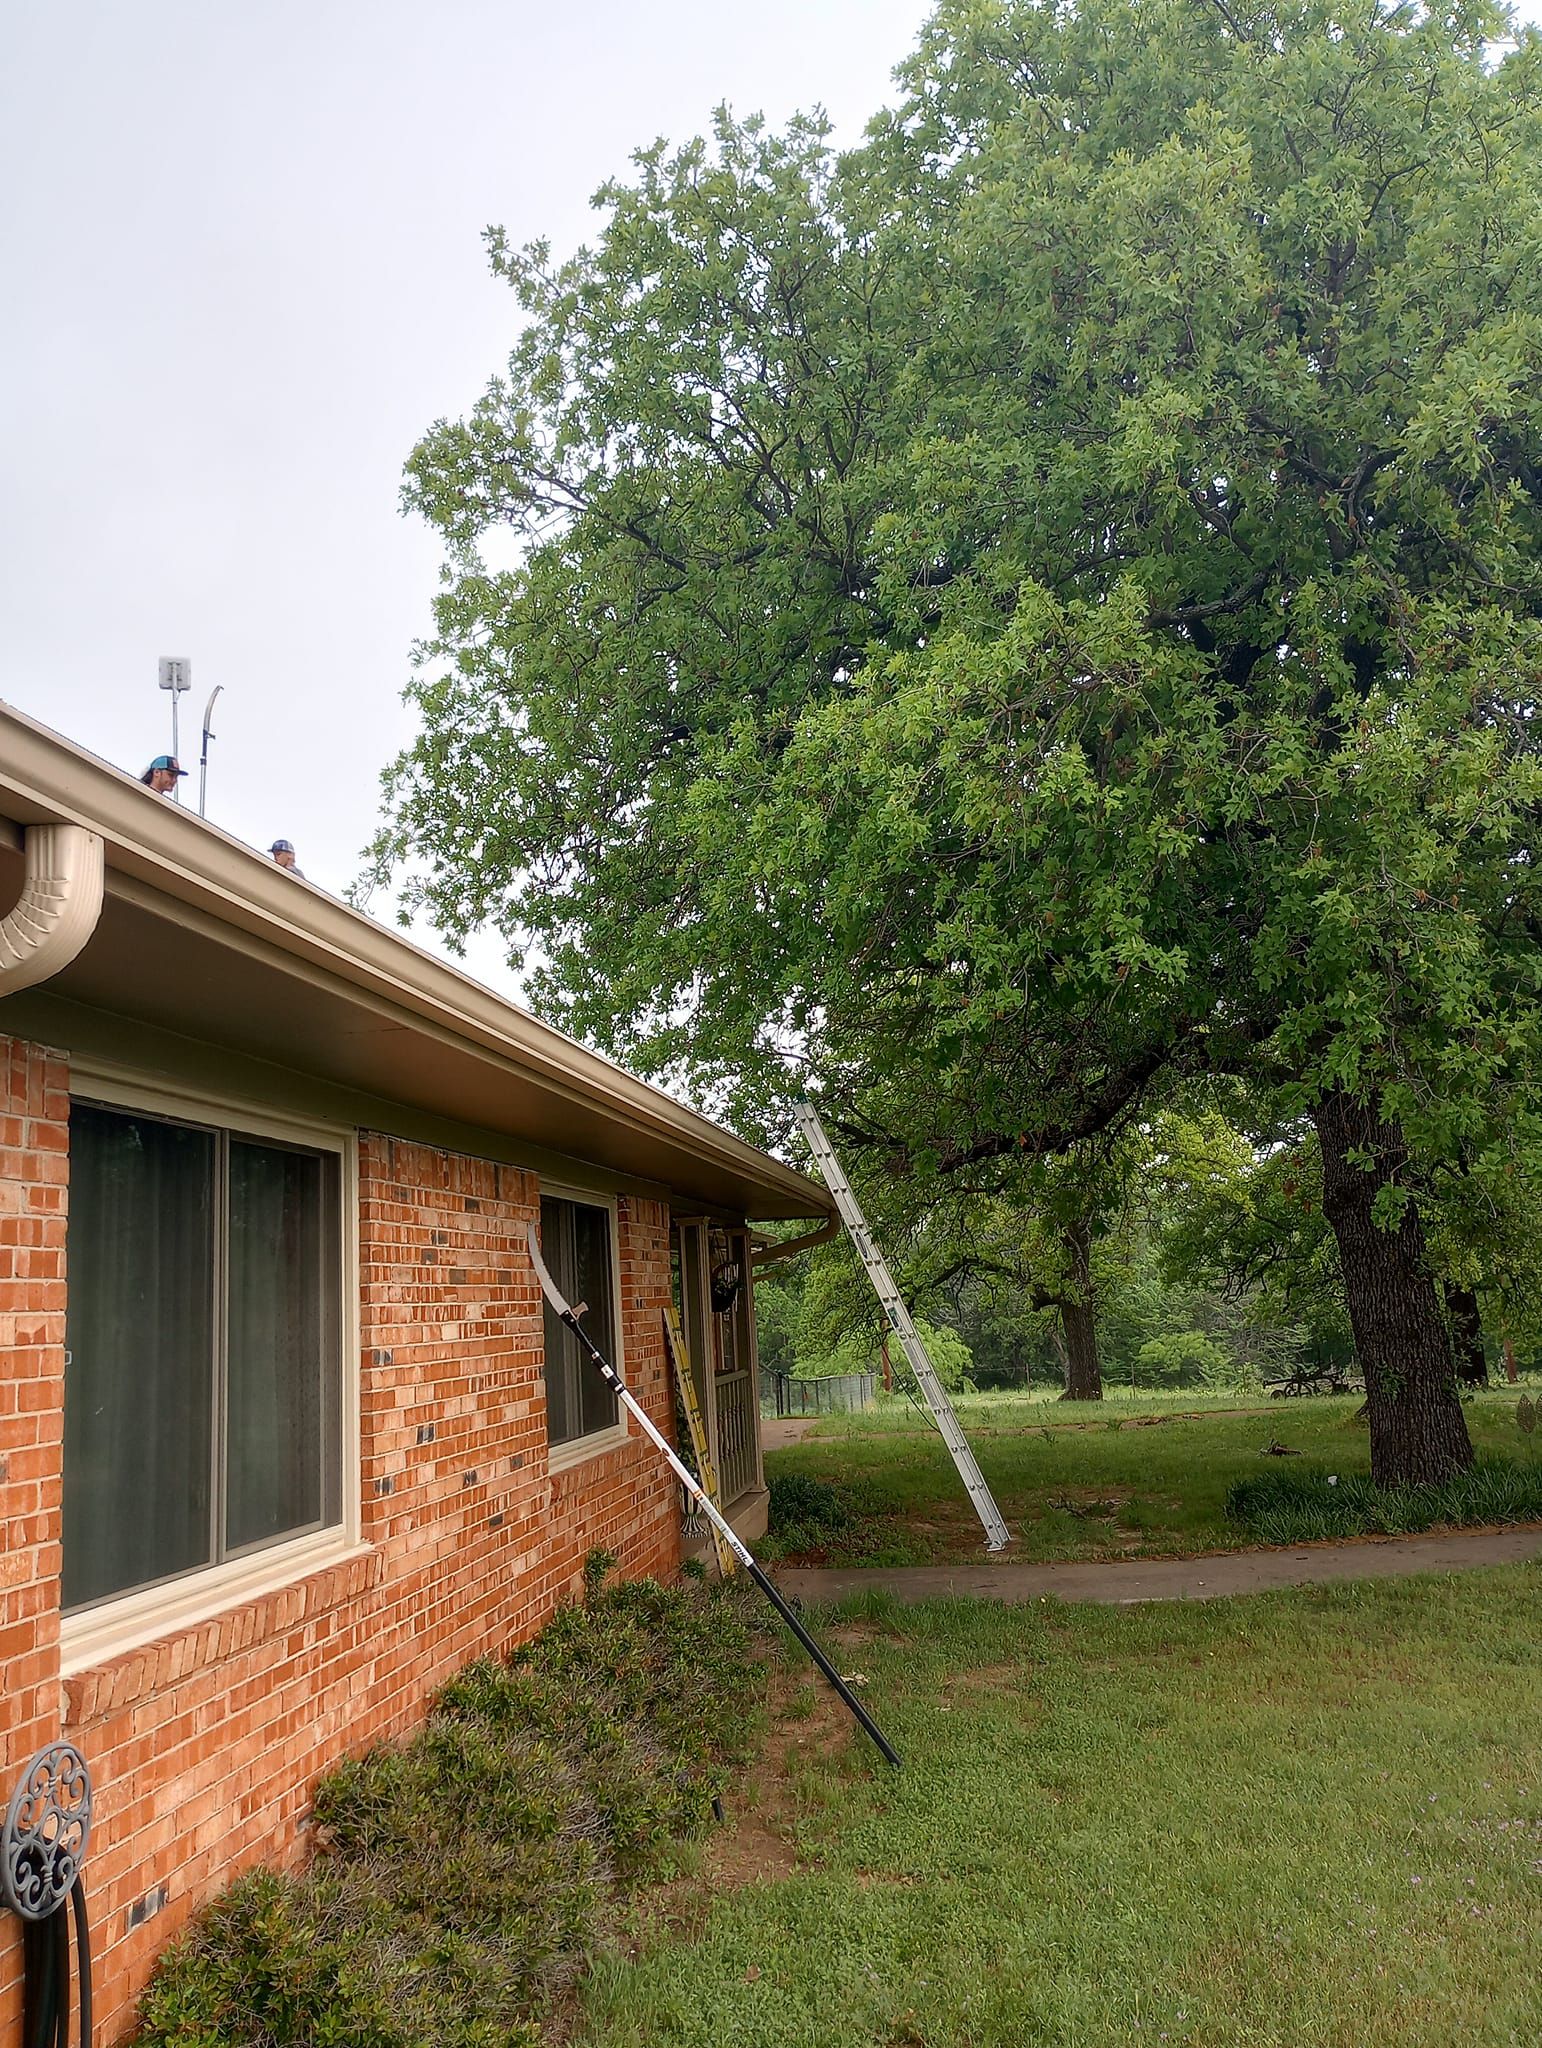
(160, 854)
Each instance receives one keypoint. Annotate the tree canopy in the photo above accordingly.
(1038, 608)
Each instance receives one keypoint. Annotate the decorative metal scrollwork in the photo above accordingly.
(46, 1830)
(726, 1272)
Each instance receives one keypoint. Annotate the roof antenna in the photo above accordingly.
(176, 675)
(203, 758)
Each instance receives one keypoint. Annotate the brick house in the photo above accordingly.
(286, 1436)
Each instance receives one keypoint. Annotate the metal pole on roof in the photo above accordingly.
(203, 758)
(176, 675)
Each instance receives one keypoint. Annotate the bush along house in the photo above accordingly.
(286, 1435)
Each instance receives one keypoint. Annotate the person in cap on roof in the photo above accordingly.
(283, 854)
(162, 774)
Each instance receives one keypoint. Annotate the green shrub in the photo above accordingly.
(1179, 1358)
(1302, 1506)
(804, 1512)
(860, 1352)
(464, 1876)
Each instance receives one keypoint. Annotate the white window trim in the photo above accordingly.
(579, 1450)
(109, 1627)
(97, 1634)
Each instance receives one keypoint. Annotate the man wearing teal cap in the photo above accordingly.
(162, 774)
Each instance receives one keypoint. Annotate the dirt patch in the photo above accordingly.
(749, 1850)
(1092, 1503)
(761, 1807)
(988, 1678)
(1054, 1429)
(855, 1635)
(775, 1431)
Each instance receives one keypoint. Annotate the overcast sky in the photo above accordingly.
(243, 269)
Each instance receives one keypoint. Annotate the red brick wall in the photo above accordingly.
(204, 1744)
(34, 1138)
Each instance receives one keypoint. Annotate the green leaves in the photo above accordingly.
(1038, 608)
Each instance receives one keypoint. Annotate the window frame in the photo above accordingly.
(578, 1450)
(123, 1621)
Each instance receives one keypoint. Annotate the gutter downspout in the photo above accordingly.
(763, 1254)
(61, 900)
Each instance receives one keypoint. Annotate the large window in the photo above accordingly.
(576, 1245)
(202, 1394)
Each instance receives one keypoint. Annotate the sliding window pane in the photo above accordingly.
(562, 1418)
(575, 1242)
(281, 1377)
(593, 1283)
(140, 1331)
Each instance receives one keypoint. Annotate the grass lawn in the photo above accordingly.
(1142, 1478)
(1306, 1819)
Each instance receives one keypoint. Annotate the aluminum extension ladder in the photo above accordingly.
(997, 1534)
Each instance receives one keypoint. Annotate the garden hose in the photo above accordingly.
(42, 1847)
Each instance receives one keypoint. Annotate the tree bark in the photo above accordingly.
(1083, 1373)
(1418, 1431)
(1467, 1336)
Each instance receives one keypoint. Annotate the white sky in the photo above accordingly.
(243, 271)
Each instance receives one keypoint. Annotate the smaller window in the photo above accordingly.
(576, 1245)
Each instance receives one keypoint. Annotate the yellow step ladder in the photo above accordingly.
(695, 1422)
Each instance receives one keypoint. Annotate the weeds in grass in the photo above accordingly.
(1168, 1474)
(467, 1874)
(848, 1518)
(1303, 1819)
(801, 1504)
(1302, 1506)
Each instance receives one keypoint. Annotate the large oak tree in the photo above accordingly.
(1041, 606)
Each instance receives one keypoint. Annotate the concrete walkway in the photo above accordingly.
(776, 1430)
(1124, 1582)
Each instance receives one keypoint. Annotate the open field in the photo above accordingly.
(1300, 1820)
(1147, 1478)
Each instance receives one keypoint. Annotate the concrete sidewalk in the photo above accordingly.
(1122, 1583)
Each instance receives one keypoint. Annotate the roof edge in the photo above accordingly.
(47, 779)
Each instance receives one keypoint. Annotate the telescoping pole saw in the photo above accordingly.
(570, 1315)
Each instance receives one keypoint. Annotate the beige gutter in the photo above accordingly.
(153, 843)
(60, 902)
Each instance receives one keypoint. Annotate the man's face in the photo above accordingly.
(284, 859)
(163, 781)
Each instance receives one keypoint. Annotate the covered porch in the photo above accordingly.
(716, 1301)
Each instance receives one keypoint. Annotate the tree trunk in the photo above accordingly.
(1510, 1372)
(1083, 1374)
(1418, 1431)
(1467, 1336)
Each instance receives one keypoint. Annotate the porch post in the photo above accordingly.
(752, 1344)
(695, 1287)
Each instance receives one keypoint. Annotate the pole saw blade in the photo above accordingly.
(650, 1429)
(549, 1286)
